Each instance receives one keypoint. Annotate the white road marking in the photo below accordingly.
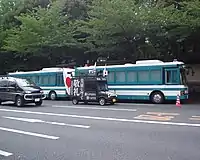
(6, 154)
(97, 108)
(41, 121)
(29, 133)
(102, 118)
(137, 104)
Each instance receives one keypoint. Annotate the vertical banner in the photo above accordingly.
(67, 80)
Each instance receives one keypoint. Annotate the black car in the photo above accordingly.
(21, 91)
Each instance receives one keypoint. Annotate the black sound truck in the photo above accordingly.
(91, 88)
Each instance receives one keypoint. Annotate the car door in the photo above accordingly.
(11, 90)
(3, 90)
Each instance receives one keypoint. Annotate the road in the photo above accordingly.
(59, 130)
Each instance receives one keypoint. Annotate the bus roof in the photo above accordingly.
(44, 70)
(141, 63)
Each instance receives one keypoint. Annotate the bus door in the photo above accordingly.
(172, 76)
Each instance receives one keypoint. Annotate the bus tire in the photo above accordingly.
(52, 95)
(157, 97)
(102, 101)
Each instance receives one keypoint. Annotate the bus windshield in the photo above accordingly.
(183, 76)
(102, 86)
(25, 83)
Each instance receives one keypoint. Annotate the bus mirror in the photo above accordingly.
(193, 73)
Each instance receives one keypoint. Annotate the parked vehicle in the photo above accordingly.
(146, 80)
(91, 88)
(21, 91)
(54, 81)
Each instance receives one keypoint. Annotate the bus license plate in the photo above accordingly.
(37, 99)
(114, 100)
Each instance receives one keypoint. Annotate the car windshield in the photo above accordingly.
(102, 86)
(25, 82)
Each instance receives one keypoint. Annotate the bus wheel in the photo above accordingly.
(74, 101)
(157, 97)
(52, 95)
(102, 101)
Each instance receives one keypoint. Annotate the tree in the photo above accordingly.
(42, 28)
(140, 29)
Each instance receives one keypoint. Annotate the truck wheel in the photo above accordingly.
(74, 101)
(102, 101)
(19, 101)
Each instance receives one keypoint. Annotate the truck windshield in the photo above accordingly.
(25, 83)
(102, 86)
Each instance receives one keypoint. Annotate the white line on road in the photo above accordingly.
(6, 154)
(103, 118)
(41, 121)
(97, 108)
(29, 133)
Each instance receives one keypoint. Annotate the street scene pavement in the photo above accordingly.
(58, 130)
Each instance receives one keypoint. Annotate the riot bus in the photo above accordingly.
(55, 82)
(153, 80)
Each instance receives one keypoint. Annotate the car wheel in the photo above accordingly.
(38, 103)
(74, 101)
(52, 95)
(157, 98)
(102, 101)
(19, 101)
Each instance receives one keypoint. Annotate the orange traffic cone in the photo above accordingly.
(178, 103)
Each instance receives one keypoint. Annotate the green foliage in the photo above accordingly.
(132, 29)
(45, 27)
(125, 26)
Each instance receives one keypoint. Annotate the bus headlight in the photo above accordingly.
(41, 91)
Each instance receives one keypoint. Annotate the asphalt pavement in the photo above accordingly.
(58, 130)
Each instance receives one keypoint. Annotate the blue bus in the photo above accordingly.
(146, 80)
(55, 82)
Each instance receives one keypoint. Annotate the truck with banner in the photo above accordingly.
(91, 87)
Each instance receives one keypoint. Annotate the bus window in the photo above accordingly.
(171, 77)
(111, 77)
(131, 76)
(41, 80)
(143, 76)
(156, 75)
(174, 76)
(120, 77)
(35, 79)
(60, 81)
(52, 80)
(46, 80)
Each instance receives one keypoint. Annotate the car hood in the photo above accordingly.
(32, 88)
